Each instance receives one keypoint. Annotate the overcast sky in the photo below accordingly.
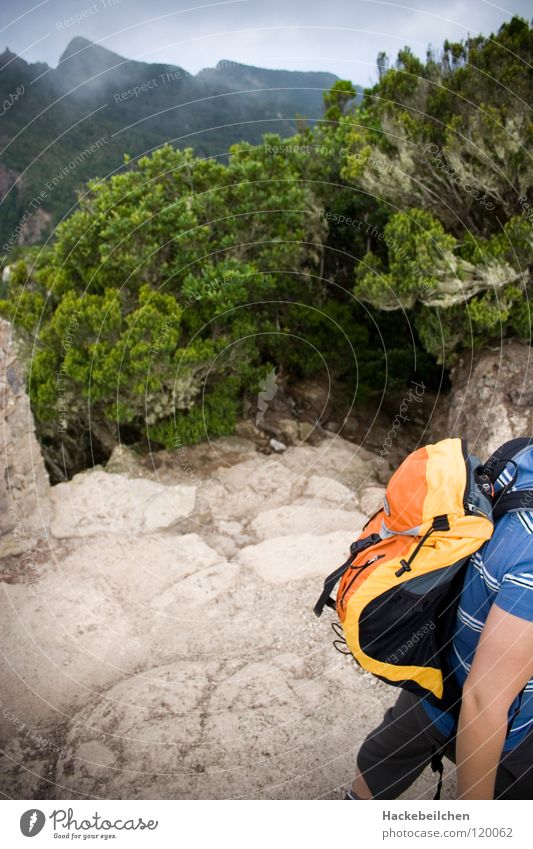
(342, 36)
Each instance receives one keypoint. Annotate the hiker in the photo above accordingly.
(487, 728)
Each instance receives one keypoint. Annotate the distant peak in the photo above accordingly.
(81, 51)
(229, 63)
(8, 57)
(14, 62)
(75, 45)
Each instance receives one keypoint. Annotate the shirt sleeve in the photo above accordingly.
(516, 593)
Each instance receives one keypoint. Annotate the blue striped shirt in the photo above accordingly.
(500, 573)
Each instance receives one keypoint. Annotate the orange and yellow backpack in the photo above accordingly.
(399, 588)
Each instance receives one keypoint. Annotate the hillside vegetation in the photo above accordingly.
(68, 124)
(369, 249)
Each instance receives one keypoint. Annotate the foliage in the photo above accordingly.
(444, 146)
(449, 137)
(337, 99)
(166, 290)
(180, 282)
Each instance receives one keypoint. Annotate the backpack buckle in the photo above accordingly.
(441, 523)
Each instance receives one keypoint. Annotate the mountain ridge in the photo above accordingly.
(79, 43)
(94, 94)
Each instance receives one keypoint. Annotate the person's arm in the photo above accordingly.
(502, 666)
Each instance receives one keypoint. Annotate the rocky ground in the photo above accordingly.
(160, 642)
(156, 621)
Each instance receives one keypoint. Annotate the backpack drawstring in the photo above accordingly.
(440, 523)
(341, 640)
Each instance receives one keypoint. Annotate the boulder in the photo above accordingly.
(303, 518)
(294, 558)
(371, 499)
(209, 729)
(248, 430)
(491, 400)
(125, 461)
(197, 589)
(233, 445)
(98, 503)
(336, 458)
(24, 486)
(240, 491)
(85, 624)
(309, 433)
(62, 641)
(329, 489)
(288, 429)
(150, 723)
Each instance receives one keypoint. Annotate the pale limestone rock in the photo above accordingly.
(99, 503)
(232, 529)
(240, 491)
(371, 499)
(125, 461)
(63, 640)
(293, 558)
(24, 782)
(149, 722)
(233, 444)
(165, 508)
(224, 729)
(169, 672)
(337, 458)
(197, 589)
(138, 568)
(320, 486)
(303, 518)
(24, 483)
(196, 730)
(491, 400)
(226, 546)
(96, 758)
(81, 627)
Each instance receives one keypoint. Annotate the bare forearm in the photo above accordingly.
(480, 738)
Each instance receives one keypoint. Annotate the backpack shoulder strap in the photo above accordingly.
(498, 461)
(519, 499)
(495, 465)
(325, 599)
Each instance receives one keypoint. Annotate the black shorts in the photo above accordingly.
(398, 751)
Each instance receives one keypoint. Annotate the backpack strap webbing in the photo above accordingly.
(325, 599)
(498, 461)
(519, 499)
(437, 766)
(356, 547)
